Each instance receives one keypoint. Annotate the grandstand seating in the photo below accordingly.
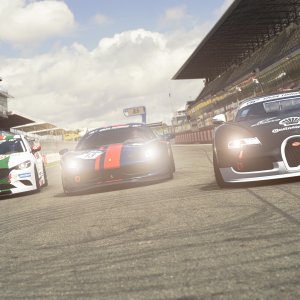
(273, 51)
(275, 66)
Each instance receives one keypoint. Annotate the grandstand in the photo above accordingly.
(3, 101)
(254, 49)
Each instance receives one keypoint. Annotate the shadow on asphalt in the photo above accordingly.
(18, 195)
(214, 187)
(106, 189)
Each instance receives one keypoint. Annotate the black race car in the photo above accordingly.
(116, 154)
(262, 143)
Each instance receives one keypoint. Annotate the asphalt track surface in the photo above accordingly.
(182, 239)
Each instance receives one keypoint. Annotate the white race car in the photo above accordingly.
(21, 165)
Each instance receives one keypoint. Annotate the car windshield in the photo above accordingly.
(115, 136)
(11, 146)
(267, 109)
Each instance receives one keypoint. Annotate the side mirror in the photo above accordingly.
(35, 149)
(63, 151)
(219, 119)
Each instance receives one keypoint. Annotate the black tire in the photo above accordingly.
(65, 188)
(45, 176)
(66, 192)
(37, 181)
(171, 167)
(219, 178)
(172, 163)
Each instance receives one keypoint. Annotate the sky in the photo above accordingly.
(78, 64)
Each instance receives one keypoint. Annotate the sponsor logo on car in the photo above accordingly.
(289, 124)
(290, 121)
(266, 121)
(24, 175)
(90, 155)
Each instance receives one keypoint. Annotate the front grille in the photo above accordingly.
(26, 182)
(137, 169)
(292, 152)
(254, 164)
(123, 173)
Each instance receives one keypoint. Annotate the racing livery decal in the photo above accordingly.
(290, 123)
(4, 177)
(113, 155)
(21, 165)
(262, 143)
(266, 121)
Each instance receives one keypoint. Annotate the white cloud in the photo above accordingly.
(175, 14)
(101, 19)
(23, 22)
(76, 87)
(225, 5)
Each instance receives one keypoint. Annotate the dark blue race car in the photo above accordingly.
(116, 154)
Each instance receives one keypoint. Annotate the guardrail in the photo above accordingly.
(202, 136)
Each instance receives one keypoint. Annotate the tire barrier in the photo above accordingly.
(202, 136)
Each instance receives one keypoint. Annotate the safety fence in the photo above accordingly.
(201, 136)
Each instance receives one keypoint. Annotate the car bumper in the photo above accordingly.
(279, 171)
(82, 187)
(18, 182)
(16, 190)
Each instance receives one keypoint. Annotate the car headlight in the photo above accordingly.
(151, 153)
(24, 165)
(240, 143)
(71, 165)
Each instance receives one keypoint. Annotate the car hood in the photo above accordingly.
(11, 160)
(273, 129)
(109, 156)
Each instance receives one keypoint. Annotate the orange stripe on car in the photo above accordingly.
(98, 160)
(113, 156)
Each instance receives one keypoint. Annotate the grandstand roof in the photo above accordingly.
(27, 124)
(40, 128)
(244, 28)
(14, 119)
(34, 127)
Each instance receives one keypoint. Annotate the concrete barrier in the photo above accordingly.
(201, 136)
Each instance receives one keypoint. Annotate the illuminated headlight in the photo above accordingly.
(71, 165)
(24, 165)
(240, 143)
(151, 153)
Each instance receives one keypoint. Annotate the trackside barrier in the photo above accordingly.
(50, 150)
(201, 136)
(50, 158)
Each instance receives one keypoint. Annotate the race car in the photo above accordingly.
(262, 143)
(21, 165)
(113, 155)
